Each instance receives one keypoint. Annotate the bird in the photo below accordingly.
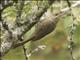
(43, 28)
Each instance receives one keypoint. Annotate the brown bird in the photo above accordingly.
(44, 27)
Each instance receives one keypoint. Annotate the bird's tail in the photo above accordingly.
(23, 42)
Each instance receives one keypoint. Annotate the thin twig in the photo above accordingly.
(72, 31)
